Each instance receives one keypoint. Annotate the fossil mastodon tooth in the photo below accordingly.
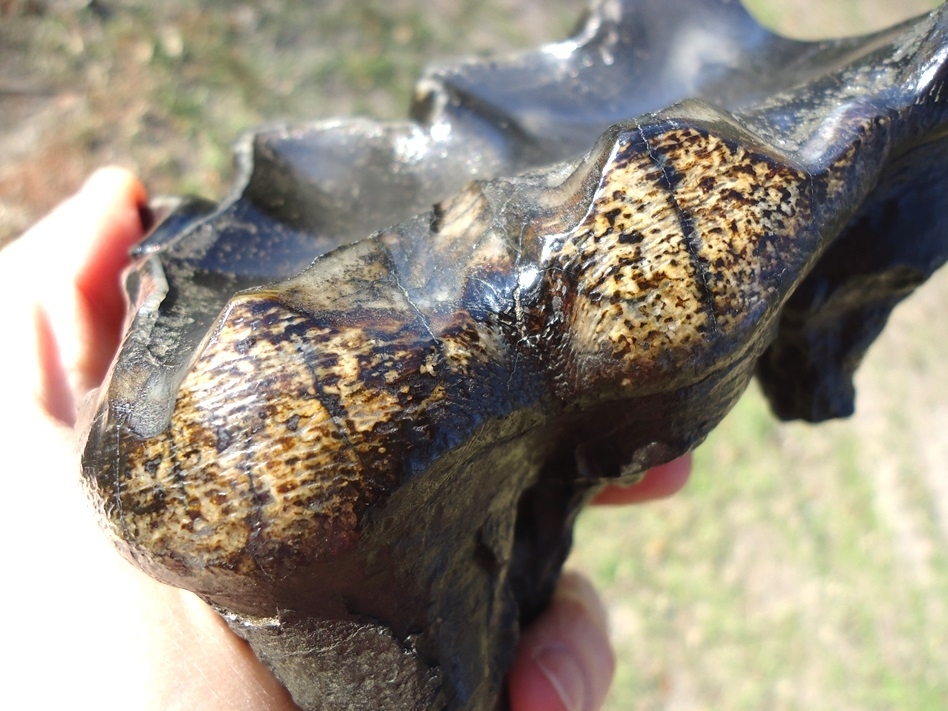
(361, 427)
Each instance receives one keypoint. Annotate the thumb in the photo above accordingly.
(63, 274)
(565, 661)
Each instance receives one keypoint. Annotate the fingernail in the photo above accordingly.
(565, 674)
(577, 588)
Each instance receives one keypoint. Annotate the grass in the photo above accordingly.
(770, 582)
(802, 568)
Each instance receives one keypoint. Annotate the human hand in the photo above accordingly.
(85, 625)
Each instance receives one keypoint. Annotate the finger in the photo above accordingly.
(64, 275)
(94, 628)
(565, 661)
(163, 648)
(113, 200)
(657, 483)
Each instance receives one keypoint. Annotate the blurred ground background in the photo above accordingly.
(803, 568)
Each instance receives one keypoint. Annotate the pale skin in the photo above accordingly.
(83, 626)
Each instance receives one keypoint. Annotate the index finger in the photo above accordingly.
(657, 483)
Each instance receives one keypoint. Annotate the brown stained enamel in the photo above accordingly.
(628, 275)
(745, 210)
(253, 466)
(680, 249)
(291, 422)
(287, 428)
